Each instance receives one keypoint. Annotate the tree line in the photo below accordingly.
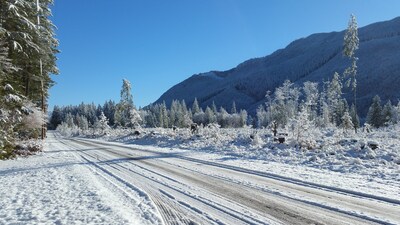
(28, 49)
(290, 105)
(124, 114)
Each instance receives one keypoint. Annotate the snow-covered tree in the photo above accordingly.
(27, 58)
(56, 117)
(125, 109)
(347, 123)
(32, 120)
(374, 116)
(29, 35)
(69, 120)
(210, 116)
(243, 118)
(233, 109)
(334, 99)
(10, 119)
(302, 127)
(285, 105)
(6, 66)
(195, 106)
(214, 108)
(109, 108)
(350, 45)
(387, 113)
(354, 117)
(325, 118)
(135, 117)
(262, 117)
(82, 122)
(396, 113)
(311, 93)
(222, 117)
(102, 123)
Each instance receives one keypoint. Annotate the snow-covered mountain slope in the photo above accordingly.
(313, 58)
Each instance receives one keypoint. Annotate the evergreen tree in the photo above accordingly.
(396, 113)
(214, 108)
(102, 123)
(387, 113)
(285, 105)
(56, 117)
(324, 119)
(325, 116)
(334, 99)
(6, 67)
(210, 116)
(27, 58)
(222, 117)
(174, 113)
(233, 110)
(164, 115)
(109, 108)
(351, 43)
(302, 127)
(354, 117)
(374, 116)
(82, 122)
(347, 122)
(195, 106)
(69, 120)
(125, 109)
(10, 119)
(243, 118)
(135, 118)
(262, 117)
(311, 97)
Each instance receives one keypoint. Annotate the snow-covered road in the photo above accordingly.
(83, 181)
(187, 190)
(58, 187)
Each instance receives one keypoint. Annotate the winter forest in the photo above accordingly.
(28, 51)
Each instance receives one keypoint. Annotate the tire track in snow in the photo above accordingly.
(169, 212)
(286, 212)
(261, 174)
(227, 211)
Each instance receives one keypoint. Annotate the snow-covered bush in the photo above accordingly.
(28, 147)
(32, 120)
(101, 126)
(256, 140)
(67, 130)
(302, 129)
(211, 131)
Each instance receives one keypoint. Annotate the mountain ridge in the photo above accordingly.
(314, 58)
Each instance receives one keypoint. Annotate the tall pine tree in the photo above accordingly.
(350, 45)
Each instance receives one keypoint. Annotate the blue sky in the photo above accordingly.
(156, 43)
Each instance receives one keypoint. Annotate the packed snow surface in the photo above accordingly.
(57, 187)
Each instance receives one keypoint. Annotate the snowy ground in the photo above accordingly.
(219, 176)
(57, 187)
(339, 161)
